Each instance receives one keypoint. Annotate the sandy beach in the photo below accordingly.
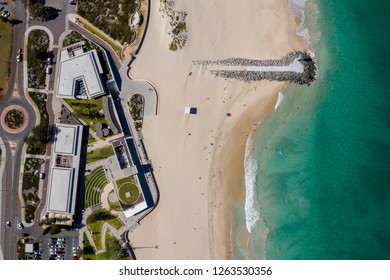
(199, 159)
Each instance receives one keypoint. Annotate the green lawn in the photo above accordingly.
(100, 154)
(88, 110)
(6, 47)
(96, 227)
(113, 250)
(91, 139)
(128, 186)
(114, 46)
(114, 205)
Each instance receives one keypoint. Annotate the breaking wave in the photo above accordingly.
(252, 213)
(297, 7)
(280, 99)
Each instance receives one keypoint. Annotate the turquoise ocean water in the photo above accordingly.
(318, 177)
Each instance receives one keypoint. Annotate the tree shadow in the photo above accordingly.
(51, 13)
(15, 21)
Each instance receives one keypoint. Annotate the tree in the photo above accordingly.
(37, 10)
(88, 250)
(46, 230)
(55, 229)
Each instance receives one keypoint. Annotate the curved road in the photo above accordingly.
(13, 144)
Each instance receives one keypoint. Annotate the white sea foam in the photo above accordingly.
(252, 213)
(280, 99)
(297, 7)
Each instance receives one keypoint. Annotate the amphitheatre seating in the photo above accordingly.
(94, 185)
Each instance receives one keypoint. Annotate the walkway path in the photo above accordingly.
(295, 66)
(130, 87)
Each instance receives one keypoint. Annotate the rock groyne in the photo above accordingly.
(306, 77)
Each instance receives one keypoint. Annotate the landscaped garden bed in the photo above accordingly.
(136, 107)
(39, 137)
(14, 119)
(38, 44)
(30, 187)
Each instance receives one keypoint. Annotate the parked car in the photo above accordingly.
(49, 60)
(48, 70)
(41, 176)
(20, 226)
(1, 7)
(73, 2)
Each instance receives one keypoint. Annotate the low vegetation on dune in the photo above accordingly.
(112, 17)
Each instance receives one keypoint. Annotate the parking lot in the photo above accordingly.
(59, 248)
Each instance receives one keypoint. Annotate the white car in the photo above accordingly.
(8, 224)
(5, 14)
(20, 226)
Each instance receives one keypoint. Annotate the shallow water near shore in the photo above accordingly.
(320, 190)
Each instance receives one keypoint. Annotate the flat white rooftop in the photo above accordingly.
(64, 174)
(60, 189)
(65, 139)
(78, 68)
(136, 209)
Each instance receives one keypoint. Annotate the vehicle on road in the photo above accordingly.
(42, 176)
(19, 56)
(5, 14)
(20, 226)
(1, 7)
(73, 2)
(8, 224)
(48, 70)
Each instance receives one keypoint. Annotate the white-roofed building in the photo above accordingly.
(64, 172)
(79, 74)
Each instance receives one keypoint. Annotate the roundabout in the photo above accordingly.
(14, 119)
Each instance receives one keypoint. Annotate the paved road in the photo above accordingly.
(10, 178)
(56, 25)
